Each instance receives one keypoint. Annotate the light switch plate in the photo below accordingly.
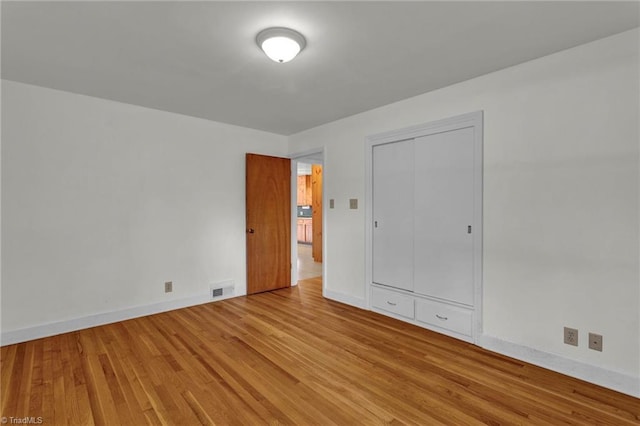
(331, 203)
(353, 203)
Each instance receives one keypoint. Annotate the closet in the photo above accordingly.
(424, 239)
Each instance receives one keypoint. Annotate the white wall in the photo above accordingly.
(561, 190)
(103, 202)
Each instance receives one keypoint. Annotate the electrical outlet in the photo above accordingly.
(168, 286)
(571, 336)
(595, 342)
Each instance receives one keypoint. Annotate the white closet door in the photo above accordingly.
(443, 252)
(393, 195)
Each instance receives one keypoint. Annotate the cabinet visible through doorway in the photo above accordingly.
(305, 230)
(305, 192)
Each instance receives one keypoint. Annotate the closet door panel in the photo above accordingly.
(443, 251)
(393, 193)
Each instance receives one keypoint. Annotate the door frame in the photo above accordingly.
(473, 119)
(295, 157)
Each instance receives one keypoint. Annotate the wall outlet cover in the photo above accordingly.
(571, 336)
(595, 341)
(168, 286)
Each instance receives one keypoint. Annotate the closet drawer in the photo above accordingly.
(392, 302)
(444, 316)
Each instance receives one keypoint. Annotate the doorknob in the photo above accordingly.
(251, 231)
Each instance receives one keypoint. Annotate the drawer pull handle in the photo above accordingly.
(392, 304)
(441, 318)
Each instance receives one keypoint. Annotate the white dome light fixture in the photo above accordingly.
(280, 44)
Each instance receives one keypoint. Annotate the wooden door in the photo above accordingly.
(268, 201)
(316, 212)
(393, 195)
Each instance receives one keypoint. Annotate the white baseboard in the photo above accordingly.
(66, 326)
(590, 373)
(345, 298)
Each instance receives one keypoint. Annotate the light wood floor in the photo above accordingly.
(307, 267)
(287, 357)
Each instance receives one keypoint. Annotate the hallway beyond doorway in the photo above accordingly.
(307, 268)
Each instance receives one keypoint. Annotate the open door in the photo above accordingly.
(268, 192)
(316, 188)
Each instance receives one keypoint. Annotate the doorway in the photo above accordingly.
(309, 219)
(308, 240)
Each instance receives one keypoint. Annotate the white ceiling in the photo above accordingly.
(200, 58)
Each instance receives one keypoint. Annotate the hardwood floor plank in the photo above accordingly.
(75, 396)
(56, 382)
(25, 383)
(37, 379)
(287, 357)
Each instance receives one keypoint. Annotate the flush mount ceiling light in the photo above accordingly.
(281, 44)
